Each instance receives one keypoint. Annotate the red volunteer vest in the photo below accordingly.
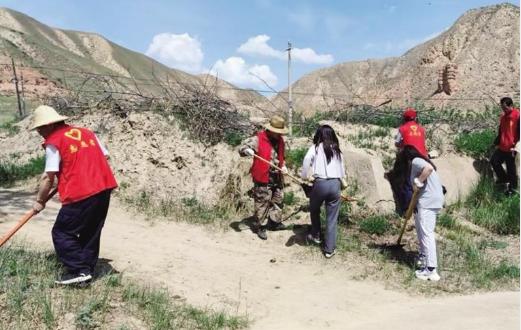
(84, 170)
(509, 130)
(413, 134)
(260, 170)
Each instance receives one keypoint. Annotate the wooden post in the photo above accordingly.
(15, 79)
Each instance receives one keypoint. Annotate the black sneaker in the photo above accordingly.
(313, 239)
(72, 279)
(328, 255)
(274, 226)
(261, 232)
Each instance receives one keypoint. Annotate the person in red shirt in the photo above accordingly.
(267, 181)
(75, 157)
(410, 133)
(508, 136)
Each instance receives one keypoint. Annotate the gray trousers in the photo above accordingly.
(325, 191)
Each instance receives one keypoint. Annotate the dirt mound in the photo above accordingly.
(149, 154)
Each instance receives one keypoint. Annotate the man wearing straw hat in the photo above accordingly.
(268, 184)
(77, 159)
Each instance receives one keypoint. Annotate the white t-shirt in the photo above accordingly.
(52, 156)
(431, 196)
(316, 160)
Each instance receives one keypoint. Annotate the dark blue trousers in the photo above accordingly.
(77, 231)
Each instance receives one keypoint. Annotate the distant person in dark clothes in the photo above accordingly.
(74, 156)
(506, 140)
(410, 133)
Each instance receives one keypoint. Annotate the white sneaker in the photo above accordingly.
(421, 261)
(427, 275)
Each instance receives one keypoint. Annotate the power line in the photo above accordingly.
(328, 95)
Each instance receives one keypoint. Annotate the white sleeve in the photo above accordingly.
(342, 166)
(308, 160)
(102, 147)
(398, 138)
(52, 159)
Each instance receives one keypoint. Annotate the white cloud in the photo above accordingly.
(258, 46)
(308, 55)
(179, 51)
(236, 71)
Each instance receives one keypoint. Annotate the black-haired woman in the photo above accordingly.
(425, 180)
(324, 159)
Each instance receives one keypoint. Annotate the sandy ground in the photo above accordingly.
(235, 272)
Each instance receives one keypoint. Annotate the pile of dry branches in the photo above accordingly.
(199, 110)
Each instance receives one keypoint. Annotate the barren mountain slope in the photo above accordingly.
(477, 58)
(54, 58)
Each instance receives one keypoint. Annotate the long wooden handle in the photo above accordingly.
(408, 213)
(23, 221)
(278, 168)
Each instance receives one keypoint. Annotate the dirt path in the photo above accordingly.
(232, 271)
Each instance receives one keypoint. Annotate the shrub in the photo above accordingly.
(475, 144)
(234, 138)
(295, 157)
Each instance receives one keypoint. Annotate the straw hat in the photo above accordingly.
(45, 115)
(277, 125)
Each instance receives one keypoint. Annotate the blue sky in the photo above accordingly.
(242, 41)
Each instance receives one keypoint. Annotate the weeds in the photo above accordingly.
(378, 225)
(475, 144)
(31, 301)
(190, 209)
(10, 127)
(295, 157)
(11, 172)
(290, 198)
(489, 208)
(162, 314)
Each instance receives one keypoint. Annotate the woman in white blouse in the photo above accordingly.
(325, 162)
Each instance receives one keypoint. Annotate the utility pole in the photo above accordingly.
(23, 93)
(290, 102)
(15, 79)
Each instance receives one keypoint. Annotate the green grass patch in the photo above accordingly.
(11, 171)
(160, 313)
(295, 157)
(290, 198)
(31, 301)
(446, 220)
(9, 127)
(234, 138)
(188, 209)
(377, 224)
(475, 144)
(469, 266)
(491, 209)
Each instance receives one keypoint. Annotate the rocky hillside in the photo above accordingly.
(466, 67)
(50, 59)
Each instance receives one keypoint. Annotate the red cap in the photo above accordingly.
(409, 114)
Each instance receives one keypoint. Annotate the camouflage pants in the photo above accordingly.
(268, 202)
